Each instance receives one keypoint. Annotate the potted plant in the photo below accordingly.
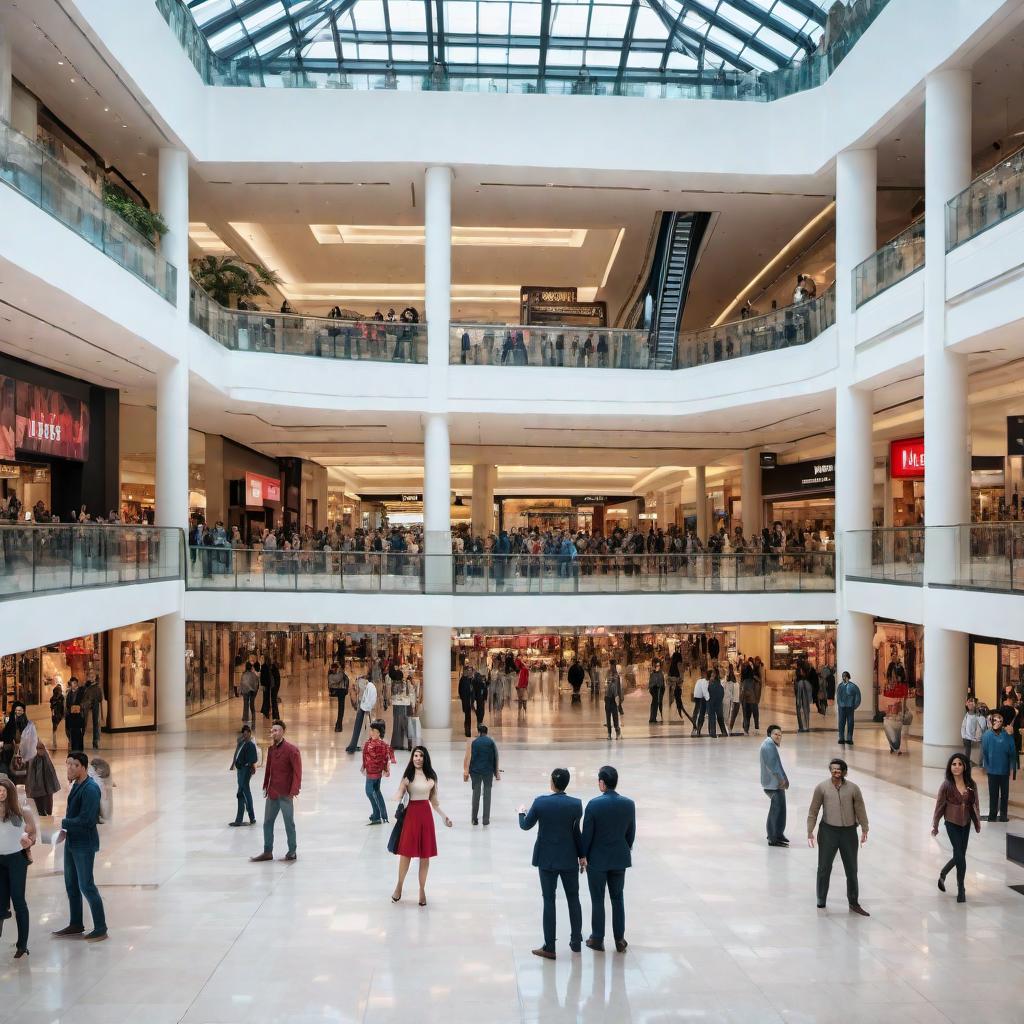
(147, 222)
(229, 276)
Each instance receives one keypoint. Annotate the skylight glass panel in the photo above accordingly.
(321, 49)
(407, 16)
(272, 42)
(648, 25)
(524, 19)
(494, 19)
(460, 16)
(369, 15)
(373, 51)
(568, 57)
(755, 59)
(462, 54)
(741, 21)
(211, 9)
(523, 57)
(780, 43)
(226, 37)
(642, 59)
(258, 20)
(608, 22)
(569, 20)
(419, 54)
(681, 61)
(603, 58)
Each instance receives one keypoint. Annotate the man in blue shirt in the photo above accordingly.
(847, 702)
(775, 783)
(81, 844)
(481, 766)
(609, 829)
(557, 854)
(998, 758)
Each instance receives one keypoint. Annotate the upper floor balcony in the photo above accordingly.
(44, 181)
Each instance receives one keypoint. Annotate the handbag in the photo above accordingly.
(396, 830)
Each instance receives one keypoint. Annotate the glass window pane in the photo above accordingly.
(641, 59)
(648, 25)
(261, 18)
(609, 22)
(525, 19)
(412, 53)
(373, 51)
(407, 16)
(568, 20)
(460, 16)
(211, 9)
(603, 58)
(322, 49)
(369, 15)
(462, 54)
(494, 18)
(773, 39)
(274, 41)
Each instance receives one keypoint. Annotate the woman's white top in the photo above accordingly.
(420, 787)
(11, 832)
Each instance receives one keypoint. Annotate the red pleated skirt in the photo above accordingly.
(418, 838)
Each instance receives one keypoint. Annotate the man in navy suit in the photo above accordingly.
(557, 854)
(609, 828)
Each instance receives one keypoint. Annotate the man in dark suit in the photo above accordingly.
(82, 842)
(609, 828)
(557, 854)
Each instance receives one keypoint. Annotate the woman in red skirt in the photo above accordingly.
(417, 838)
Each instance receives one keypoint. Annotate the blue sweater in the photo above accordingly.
(998, 755)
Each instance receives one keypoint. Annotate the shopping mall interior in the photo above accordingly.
(519, 365)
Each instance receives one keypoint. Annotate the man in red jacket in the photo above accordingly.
(282, 779)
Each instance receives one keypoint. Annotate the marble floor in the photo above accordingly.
(721, 927)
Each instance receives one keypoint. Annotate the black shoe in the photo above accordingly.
(961, 897)
(597, 947)
(778, 842)
(234, 824)
(1004, 819)
(475, 822)
(96, 935)
(942, 881)
(290, 856)
(856, 908)
(575, 947)
(849, 743)
(842, 743)
(620, 945)
(821, 906)
(71, 929)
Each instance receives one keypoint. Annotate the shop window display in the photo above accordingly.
(789, 644)
(132, 687)
(30, 676)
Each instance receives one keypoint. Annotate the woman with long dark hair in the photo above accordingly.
(417, 838)
(17, 836)
(957, 802)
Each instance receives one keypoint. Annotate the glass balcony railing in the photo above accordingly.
(894, 555)
(44, 181)
(755, 86)
(989, 200)
(552, 345)
(36, 558)
(989, 556)
(225, 568)
(781, 328)
(289, 334)
(896, 260)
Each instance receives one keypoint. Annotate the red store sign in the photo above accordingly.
(906, 459)
(260, 489)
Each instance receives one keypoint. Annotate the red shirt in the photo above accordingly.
(524, 674)
(376, 754)
(282, 775)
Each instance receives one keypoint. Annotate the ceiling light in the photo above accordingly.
(611, 258)
(204, 237)
(396, 234)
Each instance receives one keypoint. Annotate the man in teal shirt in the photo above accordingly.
(847, 702)
(998, 757)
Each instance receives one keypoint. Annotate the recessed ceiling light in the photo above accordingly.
(61, 63)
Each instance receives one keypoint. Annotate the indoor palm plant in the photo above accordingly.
(229, 277)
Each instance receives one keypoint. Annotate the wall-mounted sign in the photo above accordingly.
(906, 459)
(46, 422)
(769, 460)
(540, 305)
(812, 476)
(1015, 435)
(261, 489)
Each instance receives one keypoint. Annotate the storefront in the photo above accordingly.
(57, 439)
(124, 660)
(814, 642)
(994, 664)
(898, 673)
(592, 513)
(801, 495)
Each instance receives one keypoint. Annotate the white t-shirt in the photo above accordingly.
(368, 699)
(700, 689)
(11, 832)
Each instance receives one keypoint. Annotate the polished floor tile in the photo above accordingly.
(721, 927)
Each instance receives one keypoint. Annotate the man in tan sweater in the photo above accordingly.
(842, 809)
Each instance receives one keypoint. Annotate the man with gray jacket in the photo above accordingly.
(774, 782)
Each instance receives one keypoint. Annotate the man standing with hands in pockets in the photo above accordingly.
(557, 854)
(774, 782)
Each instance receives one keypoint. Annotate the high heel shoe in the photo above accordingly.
(423, 901)
(942, 881)
(19, 953)
(394, 898)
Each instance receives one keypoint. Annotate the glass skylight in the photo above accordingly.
(604, 40)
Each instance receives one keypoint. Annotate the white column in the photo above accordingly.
(856, 239)
(172, 437)
(667, 507)
(437, 677)
(438, 277)
(484, 479)
(750, 493)
(5, 72)
(947, 482)
(700, 496)
(437, 531)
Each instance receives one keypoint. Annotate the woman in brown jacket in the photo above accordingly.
(957, 802)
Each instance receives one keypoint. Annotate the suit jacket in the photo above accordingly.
(609, 828)
(83, 812)
(558, 846)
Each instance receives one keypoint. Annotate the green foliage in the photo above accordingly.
(146, 222)
(227, 277)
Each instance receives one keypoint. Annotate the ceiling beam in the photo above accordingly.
(440, 31)
(545, 38)
(744, 38)
(776, 24)
(627, 40)
(809, 9)
(686, 36)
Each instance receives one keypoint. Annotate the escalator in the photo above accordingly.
(659, 301)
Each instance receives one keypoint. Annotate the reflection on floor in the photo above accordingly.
(721, 927)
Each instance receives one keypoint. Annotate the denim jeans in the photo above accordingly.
(249, 707)
(776, 814)
(13, 869)
(78, 881)
(378, 808)
(244, 794)
(846, 725)
(279, 805)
